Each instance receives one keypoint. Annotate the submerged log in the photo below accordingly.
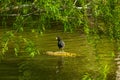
(61, 53)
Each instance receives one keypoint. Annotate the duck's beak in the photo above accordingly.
(56, 38)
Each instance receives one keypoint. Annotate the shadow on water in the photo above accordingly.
(43, 67)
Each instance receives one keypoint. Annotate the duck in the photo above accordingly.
(60, 43)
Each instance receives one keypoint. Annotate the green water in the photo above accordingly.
(43, 67)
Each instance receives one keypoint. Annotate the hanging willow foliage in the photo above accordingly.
(93, 17)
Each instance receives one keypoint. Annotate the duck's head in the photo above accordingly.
(58, 38)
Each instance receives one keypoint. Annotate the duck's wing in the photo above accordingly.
(62, 43)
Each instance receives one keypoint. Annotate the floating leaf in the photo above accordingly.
(33, 30)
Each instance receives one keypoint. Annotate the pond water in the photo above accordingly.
(91, 62)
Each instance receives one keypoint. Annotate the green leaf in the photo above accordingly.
(32, 54)
(16, 51)
(21, 29)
